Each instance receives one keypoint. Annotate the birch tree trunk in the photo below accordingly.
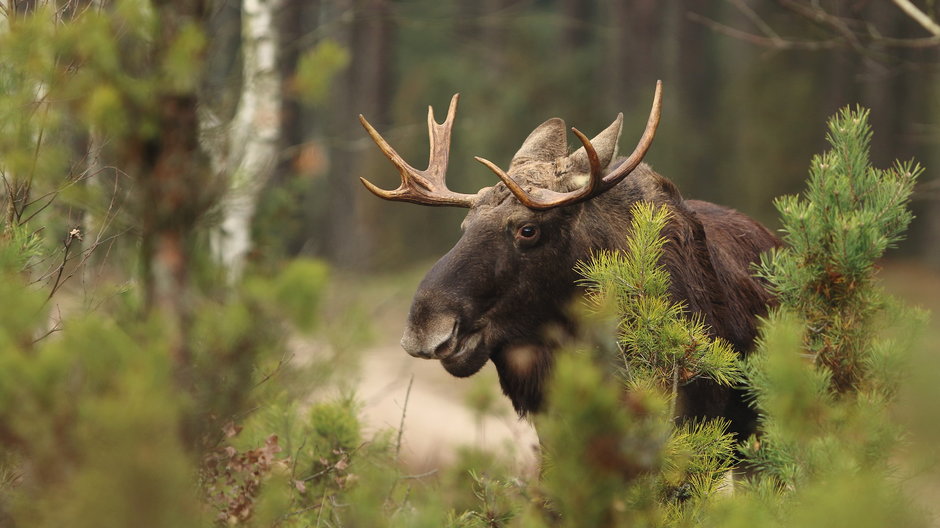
(253, 135)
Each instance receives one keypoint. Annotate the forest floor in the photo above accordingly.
(399, 392)
(437, 420)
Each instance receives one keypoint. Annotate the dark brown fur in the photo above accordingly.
(507, 300)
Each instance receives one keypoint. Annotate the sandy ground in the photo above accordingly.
(437, 420)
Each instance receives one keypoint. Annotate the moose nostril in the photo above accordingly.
(431, 339)
(411, 345)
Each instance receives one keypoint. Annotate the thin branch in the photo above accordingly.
(285, 358)
(756, 19)
(86, 254)
(293, 469)
(419, 475)
(860, 35)
(918, 16)
(675, 390)
(37, 211)
(924, 42)
(404, 409)
(766, 42)
(820, 16)
(65, 258)
(55, 328)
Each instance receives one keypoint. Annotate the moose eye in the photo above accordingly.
(528, 232)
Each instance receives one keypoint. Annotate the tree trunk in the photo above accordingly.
(173, 173)
(367, 82)
(253, 135)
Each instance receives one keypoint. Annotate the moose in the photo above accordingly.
(503, 292)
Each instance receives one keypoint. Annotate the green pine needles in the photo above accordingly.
(849, 215)
(661, 346)
(832, 356)
(659, 340)
(828, 368)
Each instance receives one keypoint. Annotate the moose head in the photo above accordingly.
(502, 293)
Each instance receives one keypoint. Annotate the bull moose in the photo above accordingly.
(511, 277)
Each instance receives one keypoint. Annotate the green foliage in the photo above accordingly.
(316, 70)
(830, 360)
(613, 459)
(180, 71)
(657, 339)
(103, 424)
(850, 214)
(295, 293)
(94, 417)
(595, 446)
(612, 456)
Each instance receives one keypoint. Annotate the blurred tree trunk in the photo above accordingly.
(299, 21)
(16, 187)
(367, 85)
(698, 85)
(576, 27)
(253, 137)
(173, 171)
(634, 61)
(495, 28)
(930, 205)
(302, 25)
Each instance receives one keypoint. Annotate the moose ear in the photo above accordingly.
(604, 143)
(546, 143)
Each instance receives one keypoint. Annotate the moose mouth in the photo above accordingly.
(466, 355)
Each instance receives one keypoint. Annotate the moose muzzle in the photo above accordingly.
(433, 337)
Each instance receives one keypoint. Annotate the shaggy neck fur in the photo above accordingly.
(708, 256)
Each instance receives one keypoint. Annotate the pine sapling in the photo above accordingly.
(849, 215)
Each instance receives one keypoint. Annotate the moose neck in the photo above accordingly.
(523, 373)
(524, 370)
(601, 224)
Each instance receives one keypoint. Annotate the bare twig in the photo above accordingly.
(419, 475)
(55, 192)
(755, 19)
(37, 211)
(55, 328)
(71, 237)
(918, 16)
(675, 390)
(293, 468)
(404, 409)
(760, 40)
(818, 15)
(860, 35)
(285, 359)
(320, 506)
(85, 254)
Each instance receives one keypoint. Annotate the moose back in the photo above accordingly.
(510, 278)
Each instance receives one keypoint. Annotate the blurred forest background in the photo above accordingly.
(189, 265)
(744, 83)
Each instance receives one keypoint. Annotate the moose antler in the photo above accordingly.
(541, 199)
(425, 187)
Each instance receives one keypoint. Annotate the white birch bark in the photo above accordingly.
(251, 145)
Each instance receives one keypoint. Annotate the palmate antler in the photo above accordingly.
(542, 199)
(427, 187)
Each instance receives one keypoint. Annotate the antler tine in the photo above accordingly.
(646, 140)
(597, 172)
(514, 187)
(541, 199)
(427, 187)
(538, 199)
